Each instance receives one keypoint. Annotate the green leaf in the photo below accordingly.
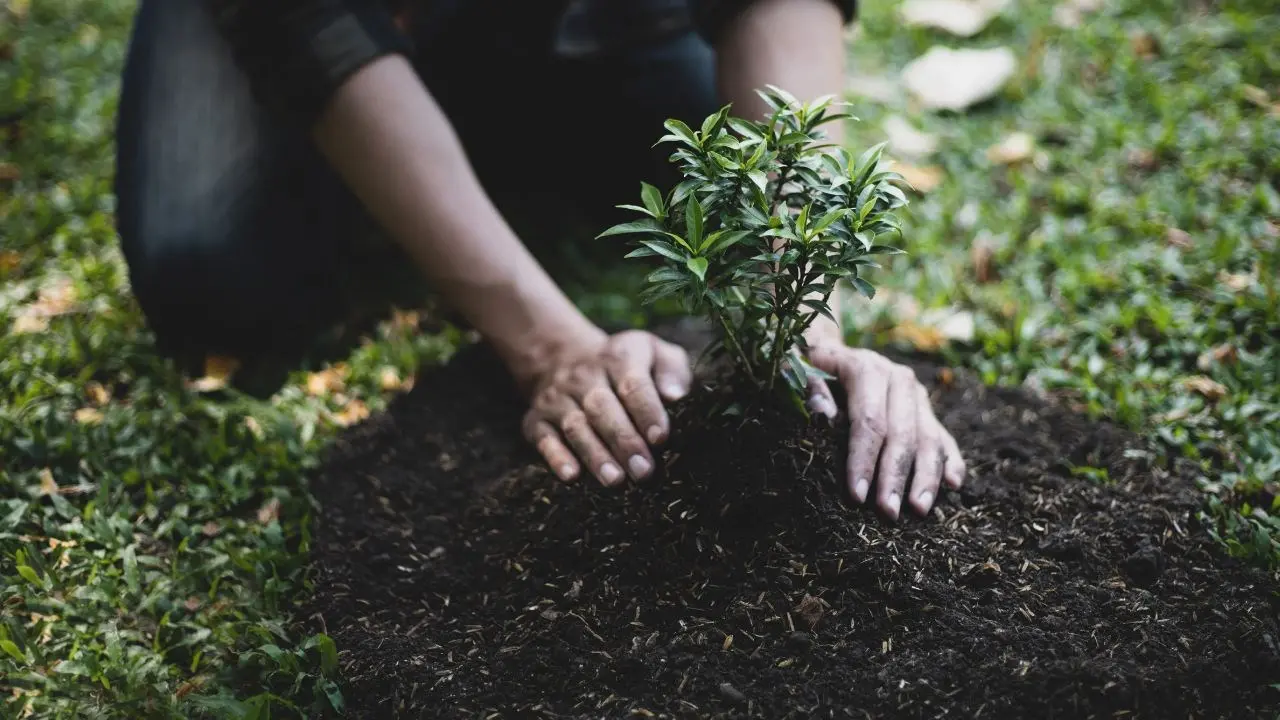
(652, 198)
(759, 179)
(636, 208)
(885, 250)
(130, 559)
(693, 221)
(794, 138)
(714, 123)
(666, 250)
(638, 226)
(29, 574)
(865, 288)
(13, 651)
(726, 241)
(826, 220)
(698, 266)
(682, 132)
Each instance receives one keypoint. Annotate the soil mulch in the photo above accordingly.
(460, 579)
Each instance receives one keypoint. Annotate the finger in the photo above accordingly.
(821, 400)
(954, 467)
(544, 437)
(611, 423)
(900, 441)
(867, 379)
(631, 371)
(929, 461)
(672, 369)
(576, 427)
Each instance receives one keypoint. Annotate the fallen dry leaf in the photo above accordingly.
(921, 179)
(947, 79)
(811, 609)
(29, 324)
(330, 380)
(946, 377)
(9, 172)
(352, 413)
(9, 260)
(1207, 387)
(1180, 239)
(953, 324)
(269, 512)
(964, 18)
(1257, 96)
(48, 486)
(1070, 14)
(88, 416)
(1225, 354)
(921, 337)
(251, 423)
(880, 88)
(906, 141)
(405, 320)
(980, 254)
(1142, 159)
(1015, 148)
(1144, 44)
(98, 394)
(218, 370)
(1238, 282)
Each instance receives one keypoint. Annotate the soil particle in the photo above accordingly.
(741, 582)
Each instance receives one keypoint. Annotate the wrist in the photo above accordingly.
(545, 346)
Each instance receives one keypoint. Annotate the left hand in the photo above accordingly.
(892, 425)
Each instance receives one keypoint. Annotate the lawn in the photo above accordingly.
(154, 534)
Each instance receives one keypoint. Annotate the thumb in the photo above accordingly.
(672, 370)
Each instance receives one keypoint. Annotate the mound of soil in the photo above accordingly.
(460, 579)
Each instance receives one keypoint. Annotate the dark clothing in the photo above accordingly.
(241, 240)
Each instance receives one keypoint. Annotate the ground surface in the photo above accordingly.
(739, 585)
(153, 535)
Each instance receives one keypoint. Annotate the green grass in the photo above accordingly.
(157, 580)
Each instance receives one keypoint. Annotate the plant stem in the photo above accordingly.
(732, 339)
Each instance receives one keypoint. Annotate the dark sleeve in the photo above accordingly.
(711, 17)
(297, 53)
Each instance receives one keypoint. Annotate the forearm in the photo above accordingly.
(395, 148)
(797, 45)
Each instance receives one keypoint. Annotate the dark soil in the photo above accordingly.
(460, 579)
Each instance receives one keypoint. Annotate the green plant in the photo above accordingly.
(766, 221)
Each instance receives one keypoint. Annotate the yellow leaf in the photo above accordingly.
(48, 486)
(921, 179)
(354, 412)
(9, 260)
(218, 370)
(98, 394)
(329, 380)
(1224, 354)
(1238, 282)
(25, 323)
(269, 512)
(1015, 148)
(1256, 95)
(923, 338)
(88, 416)
(19, 8)
(252, 424)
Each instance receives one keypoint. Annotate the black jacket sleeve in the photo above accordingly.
(296, 53)
(711, 17)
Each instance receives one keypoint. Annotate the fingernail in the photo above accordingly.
(895, 503)
(566, 472)
(860, 489)
(639, 466)
(822, 404)
(654, 435)
(675, 391)
(925, 500)
(611, 474)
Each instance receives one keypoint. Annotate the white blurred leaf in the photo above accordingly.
(947, 79)
(905, 140)
(1015, 148)
(964, 18)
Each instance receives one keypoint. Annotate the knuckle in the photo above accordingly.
(873, 425)
(574, 424)
(631, 386)
(596, 400)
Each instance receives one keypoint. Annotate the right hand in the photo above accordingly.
(602, 406)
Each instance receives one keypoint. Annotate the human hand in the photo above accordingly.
(602, 406)
(891, 424)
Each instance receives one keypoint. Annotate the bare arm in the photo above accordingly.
(395, 148)
(797, 45)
